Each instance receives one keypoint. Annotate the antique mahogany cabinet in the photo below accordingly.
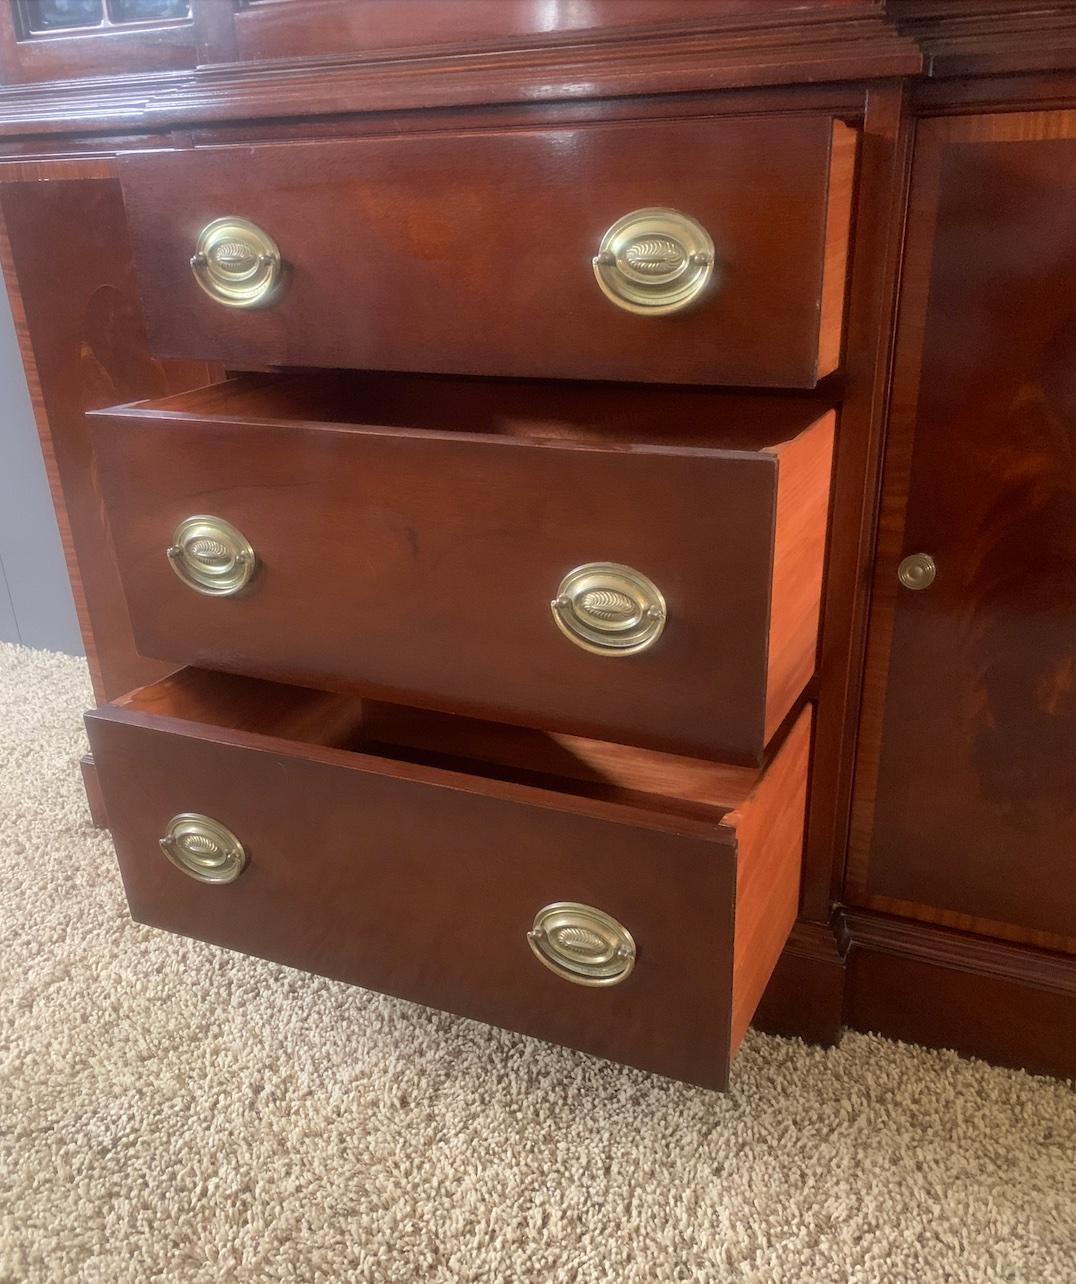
(572, 503)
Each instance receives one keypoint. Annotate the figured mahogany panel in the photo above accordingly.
(423, 881)
(472, 252)
(412, 556)
(68, 270)
(966, 784)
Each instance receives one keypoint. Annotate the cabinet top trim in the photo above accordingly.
(790, 44)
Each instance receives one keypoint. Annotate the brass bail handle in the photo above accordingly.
(212, 556)
(203, 848)
(237, 263)
(609, 609)
(582, 944)
(655, 261)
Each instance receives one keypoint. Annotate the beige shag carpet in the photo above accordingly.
(169, 1111)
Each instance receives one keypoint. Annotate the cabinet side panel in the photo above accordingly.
(83, 346)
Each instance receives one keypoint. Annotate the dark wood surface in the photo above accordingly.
(988, 37)
(513, 54)
(1009, 1004)
(472, 252)
(65, 54)
(415, 560)
(966, 787)
(423, 881)
(805, 994)
(369, 27)
(98, 815)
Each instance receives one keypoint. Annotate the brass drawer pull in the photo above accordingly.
(203, 848)
(582, 944)
(654, 261)
(609, 609)
(236, 263)
(210, 556)
(917, 571)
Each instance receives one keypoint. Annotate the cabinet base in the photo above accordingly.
(805, 996)
(1010, 1005)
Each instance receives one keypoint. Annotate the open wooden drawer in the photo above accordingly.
(708, 250)
(633, 563)
(625, 902)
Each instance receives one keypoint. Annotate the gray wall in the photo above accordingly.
(36, 606)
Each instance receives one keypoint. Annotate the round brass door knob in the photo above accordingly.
(654, 261)
(917, 571)
(211, 556)
(609, 609)
(236, 263)
(203, 848)
(582, 944)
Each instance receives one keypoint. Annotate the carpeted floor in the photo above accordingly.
(172, 1112)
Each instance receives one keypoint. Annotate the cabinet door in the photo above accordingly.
(965, 810)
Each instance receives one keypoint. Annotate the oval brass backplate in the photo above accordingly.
(582, 944)
(917, 571)
(655, 261)
(212, 556)
(203, 848)
(609, 609)
(236, 263)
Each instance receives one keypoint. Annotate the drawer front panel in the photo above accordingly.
(475, 253)
(421, 569)
(428, 893)
(424, 883)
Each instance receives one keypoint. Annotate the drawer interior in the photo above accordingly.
(621, 416)
(485, 752)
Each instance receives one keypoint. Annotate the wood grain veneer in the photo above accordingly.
(966, 793)
(885, 162)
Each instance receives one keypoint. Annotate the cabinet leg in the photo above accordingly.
(805, 996)
(93, 793)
